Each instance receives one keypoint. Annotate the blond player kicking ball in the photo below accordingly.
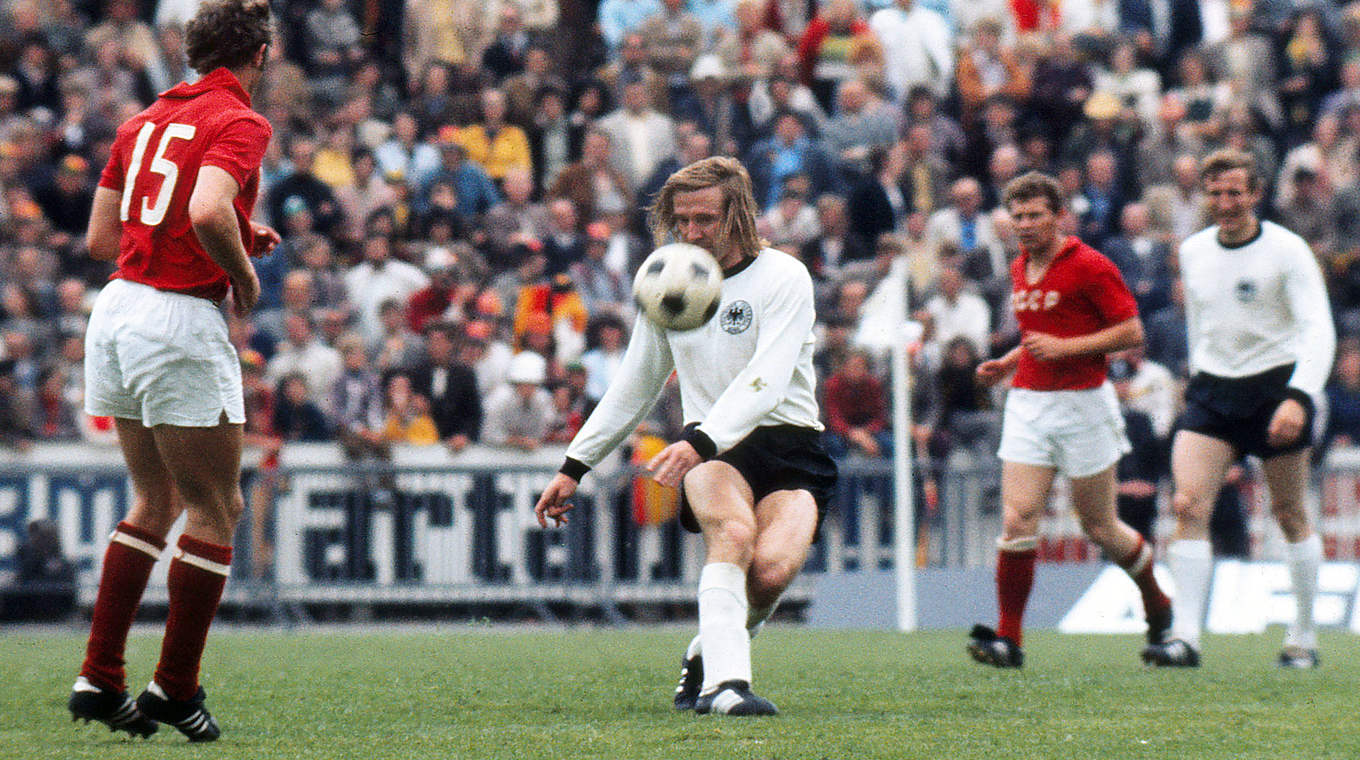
(1061, 414)
(751, 468)
(1261, 347)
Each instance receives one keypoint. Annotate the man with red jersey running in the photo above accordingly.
(1061, 415)
(173, 207)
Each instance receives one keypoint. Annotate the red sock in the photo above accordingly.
(1139, 567)
(1014, 579)
(132, 553)
(197, 574)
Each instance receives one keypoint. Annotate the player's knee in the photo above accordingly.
(1019, 521)
(767, 579)
(234, 508)
(1187, 508)
(1100, 531)
(736, 536)
(1292, 519)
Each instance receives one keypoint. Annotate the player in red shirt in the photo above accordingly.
(173, 207)
(1061, 415)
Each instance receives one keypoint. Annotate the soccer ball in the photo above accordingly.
(678, 286)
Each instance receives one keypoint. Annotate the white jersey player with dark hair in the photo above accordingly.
(1261, 346)
(752, 473)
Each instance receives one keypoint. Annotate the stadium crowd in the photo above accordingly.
(460, 187)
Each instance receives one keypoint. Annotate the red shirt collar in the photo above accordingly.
(219, 78)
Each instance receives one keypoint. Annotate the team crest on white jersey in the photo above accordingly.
(1245, 290)
(736, 317)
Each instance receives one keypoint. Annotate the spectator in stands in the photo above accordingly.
(619, 17)
(751, 50)
(331, 40)
(824, 48)
(1163, 141)
(474, 190)
(16, 410)
(553, 140)
(986, 67)
(963, 415)
(509, 45)
(856, 407)
(836, 244)
(417, 160)
(522, 90)
(1152, 390)
(398, 349)
(606, 339)
(862, 122)
(792, 222)
(1165, 335)
(788, 152)
(918, 47)
(517, 217)
(378, 278)
(45, 579)
(296, 417)
(1176, 209)
(407, 414)
(593, 183)
(1102, 198)
(302, 184)
(1143, 260)
(1061, 87)
(1343, 399)
(1143, 466)
(450, 387)
(55, 414)
(519, 412)
(924, 172)
(595, 97)
(640, 136)
(494, 145)
(563, 245)
(962, 224)
(67, 199)
(303, 354)
(356, 404)
(603, 290)
(955, 312)
(673, 39)
(711, 103)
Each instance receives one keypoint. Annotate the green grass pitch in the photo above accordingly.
(469, 691)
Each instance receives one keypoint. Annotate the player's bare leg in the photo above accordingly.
(1198, 466)
(723, 504)
(1093, 499)
(205, 464)
(1024, 492)
(1286, 478)
(785, 524)
(100, 692)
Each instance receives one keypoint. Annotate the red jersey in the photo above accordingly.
(154, 165)
(1081, 293)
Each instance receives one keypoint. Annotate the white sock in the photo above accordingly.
(756, 617)
(722, 617)
(1304, 558)
(695, 648)
(1192, 566)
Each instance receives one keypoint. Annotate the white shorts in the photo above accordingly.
(162, 358)
(1079, 433)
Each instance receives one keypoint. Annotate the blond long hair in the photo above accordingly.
(739, 207)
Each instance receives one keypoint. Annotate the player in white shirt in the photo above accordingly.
(751, 469)
(1261, 347)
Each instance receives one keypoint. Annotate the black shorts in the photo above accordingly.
(1238, 410)
(777, 458)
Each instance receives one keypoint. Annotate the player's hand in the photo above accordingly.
(265, 238)
(245, 293)
(1044, 347)
(991, 371)
(553, 503)
(670, 465)
(1287, 423)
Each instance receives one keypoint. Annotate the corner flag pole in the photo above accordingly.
(904, 512)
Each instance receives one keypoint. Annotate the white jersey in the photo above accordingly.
(1257, 306)
(750, 365)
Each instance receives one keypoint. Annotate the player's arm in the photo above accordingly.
(214, 220)
(1315, 346)
(992, 370)
(104, 233)
(646, 364)
(1125, 334)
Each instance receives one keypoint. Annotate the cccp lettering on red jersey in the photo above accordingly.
(1081, 293)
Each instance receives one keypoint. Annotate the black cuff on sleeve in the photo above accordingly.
(574, 469)
(700, 441)
(1301, 397)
